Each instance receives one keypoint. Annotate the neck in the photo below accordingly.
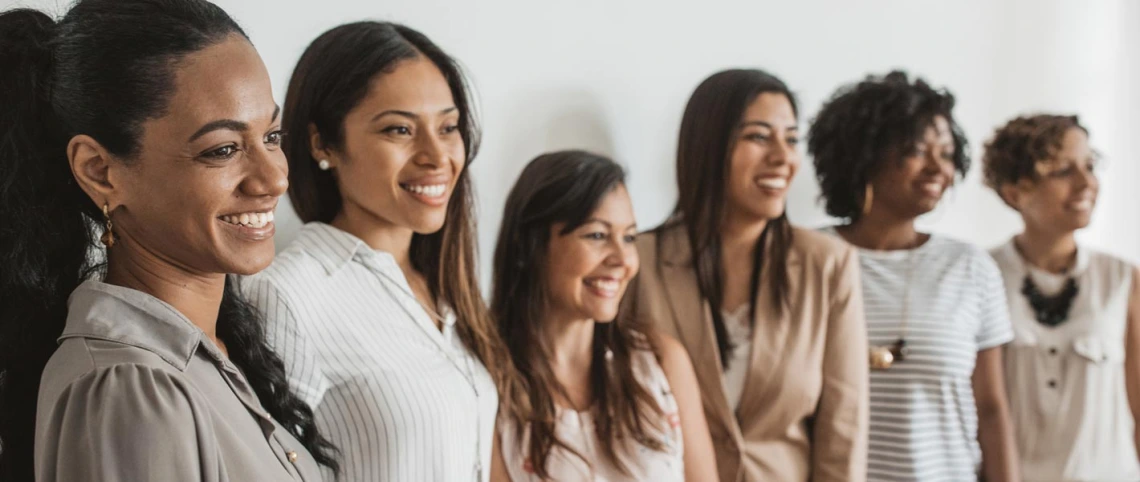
(377, 233)
(197, 296)
(571, 341)
(738, 237)
(1051, 251)
(882, 232)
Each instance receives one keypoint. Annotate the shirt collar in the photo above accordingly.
(123, 315)
(331, 247)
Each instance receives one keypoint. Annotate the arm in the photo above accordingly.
(699, 459)
(1132, 354)
(839, 448)
(1000, 461)
(498, 465)
(995, 429)
(125, 422)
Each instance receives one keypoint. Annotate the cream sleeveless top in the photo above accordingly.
(1066, 383)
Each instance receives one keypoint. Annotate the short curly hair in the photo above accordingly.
(867, 124)
(1015, 149)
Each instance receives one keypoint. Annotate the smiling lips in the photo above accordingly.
(773, 183)
(605, 287)
(249, 220)
(932, 188)
(1081, 205)
(430, 194)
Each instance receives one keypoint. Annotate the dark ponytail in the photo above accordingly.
(45, 230)
(102, 70)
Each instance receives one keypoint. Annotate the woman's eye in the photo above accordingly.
(596, 236)
(224, 152)
(275, 138)
(399, 130)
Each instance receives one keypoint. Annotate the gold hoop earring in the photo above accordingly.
(108, 237)
(868, 199)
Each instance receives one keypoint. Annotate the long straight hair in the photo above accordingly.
(704, 149)
(102, 70)
(565, 187)
(333, 77)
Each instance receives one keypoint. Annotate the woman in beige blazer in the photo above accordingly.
(771, 315)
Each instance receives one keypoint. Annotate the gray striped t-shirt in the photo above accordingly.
(924, 423)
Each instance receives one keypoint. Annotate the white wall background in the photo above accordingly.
(613, 76)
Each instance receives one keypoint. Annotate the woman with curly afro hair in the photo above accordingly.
(1074, 364)
(886, 150)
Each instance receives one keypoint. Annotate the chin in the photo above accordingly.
(250, 261)
(604, 315)
(766, 213)
(428, 225)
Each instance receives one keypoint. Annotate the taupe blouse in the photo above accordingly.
(137, 392)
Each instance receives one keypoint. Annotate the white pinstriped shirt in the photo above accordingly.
(392, 391)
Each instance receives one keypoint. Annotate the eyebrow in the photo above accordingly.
(765, 124)
(410, 115)
(228, 124)
(606, 223)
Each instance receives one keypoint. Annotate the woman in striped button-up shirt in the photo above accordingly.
(375, 307)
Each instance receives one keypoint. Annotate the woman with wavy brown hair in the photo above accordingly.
(1073, 368)
(376, 307)
(771, 314)
(607, 398)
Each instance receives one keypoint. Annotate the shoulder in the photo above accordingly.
(947, 251)
(671, 354)
(1119, 267)
(650, 243)
(818, 246)
(134, 389)
(951, 247)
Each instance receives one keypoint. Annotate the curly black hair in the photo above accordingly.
(869, 123)
(1015, 149)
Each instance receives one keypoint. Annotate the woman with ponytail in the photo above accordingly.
(147, 127)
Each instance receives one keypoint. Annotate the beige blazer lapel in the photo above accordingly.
(772, 348)
(693, 322)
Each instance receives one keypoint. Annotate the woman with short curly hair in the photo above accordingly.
(885, 150)
(1074, 369)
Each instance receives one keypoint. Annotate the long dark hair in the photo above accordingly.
(704, 147)
(102, 70)
(564, 187)
(332, 77)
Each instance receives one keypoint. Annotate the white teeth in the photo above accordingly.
(1083, 205)
(773, 183)
(253, 220)
(609, 286)
(434, 190)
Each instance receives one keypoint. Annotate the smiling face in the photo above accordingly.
(588, 269)
(913, 185)
(201, 190)
(1064, 194)
(403, 153)
(763, 159)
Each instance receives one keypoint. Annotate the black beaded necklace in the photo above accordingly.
(1050, 310)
